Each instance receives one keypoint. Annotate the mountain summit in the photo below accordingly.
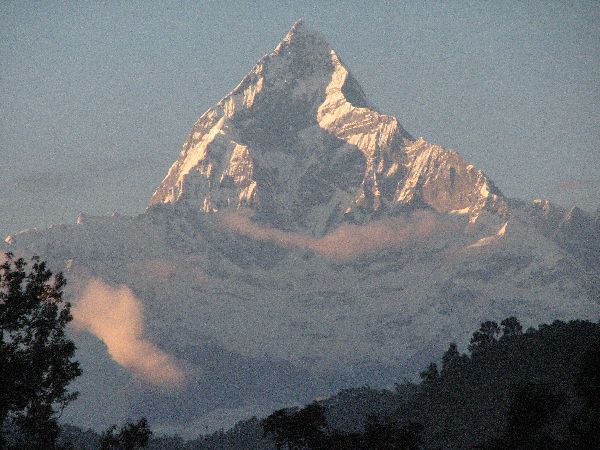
(298, 142)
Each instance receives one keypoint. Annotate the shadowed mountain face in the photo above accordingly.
(302, 243)
(297, 142)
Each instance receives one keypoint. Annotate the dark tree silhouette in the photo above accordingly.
(453, 361)
(587, 381)
(485, 337)
(381, 434)
(430, 375)
(531, 406)
(511, 327)
(307, 428)
(131, 436)
(297, 429)
(109, 439)
(585, 425)
(538, 389)
(35, 353)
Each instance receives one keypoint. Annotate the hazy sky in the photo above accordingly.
(96, 98)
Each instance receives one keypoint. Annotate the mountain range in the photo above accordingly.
(302, 242)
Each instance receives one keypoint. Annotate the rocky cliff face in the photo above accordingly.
(298, 142)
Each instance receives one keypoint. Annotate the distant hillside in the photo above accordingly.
(538, 388)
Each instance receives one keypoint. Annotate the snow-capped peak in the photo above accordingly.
(299, 34)
(298, 142)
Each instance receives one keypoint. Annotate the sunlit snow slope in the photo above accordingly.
(298, 142)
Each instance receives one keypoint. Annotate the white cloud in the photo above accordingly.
(348, 240)
(115, 316)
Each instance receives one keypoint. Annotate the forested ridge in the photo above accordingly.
(538, 388)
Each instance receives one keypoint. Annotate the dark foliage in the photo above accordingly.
(307, 428)
(431, 375)
(533, 390)
(515, 390)
(304, 428)
(385, 434)
(35, 354)
(453, 363)
(531, 408)
(511, 327)
(244, 435)
(587, 382)
(585, 425)
(131, 436)
(485, 337)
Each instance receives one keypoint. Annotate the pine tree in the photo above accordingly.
(430, 375)
(452, 361)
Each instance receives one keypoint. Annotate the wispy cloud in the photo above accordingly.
(349, 241)
(115, 316)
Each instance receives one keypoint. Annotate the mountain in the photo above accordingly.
(302, 243)
(298, 142)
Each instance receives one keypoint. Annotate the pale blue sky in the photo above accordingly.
(96, 98)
